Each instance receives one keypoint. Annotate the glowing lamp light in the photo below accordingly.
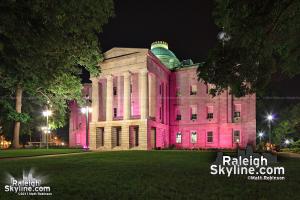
(85, 109)
(287, 142)
(62, 143)
(270, 117)
(47, 113)
(260, 134)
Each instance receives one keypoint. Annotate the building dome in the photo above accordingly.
(161, 50)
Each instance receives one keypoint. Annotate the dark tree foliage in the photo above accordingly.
(264, 41)
(42, 45)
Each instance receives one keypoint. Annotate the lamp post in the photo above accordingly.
(46, 114)
(270, 118)
(86, 110)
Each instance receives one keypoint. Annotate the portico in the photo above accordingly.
(124, 99)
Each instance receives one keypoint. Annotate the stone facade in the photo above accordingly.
(142, 102)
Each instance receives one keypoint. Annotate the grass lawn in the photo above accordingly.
(12, 153)
(147, 175)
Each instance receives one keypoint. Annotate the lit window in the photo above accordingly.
(236, 136)
(115, 112)
(115, 90)
(178, 137)
(210, 136)
(193, 90)
(194, 137)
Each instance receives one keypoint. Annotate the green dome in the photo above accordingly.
(161, 51)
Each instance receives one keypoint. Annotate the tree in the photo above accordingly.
(288, 125)
(264, 41)
(42, 45)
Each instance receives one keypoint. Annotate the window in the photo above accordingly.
(209, 87)
(193, 90)
(193, 112)
(237, 111)
(210, 112)
(237, 114)
(210, 136)
(118, 136)
(115, 112)
(178, 138)
(236, 136)
(115, 91)
(130, 88)
(193, 116)
(193, 137)
(210, 115)
(178, 117)
(136, 136)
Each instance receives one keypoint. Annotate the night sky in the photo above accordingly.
(187, 26)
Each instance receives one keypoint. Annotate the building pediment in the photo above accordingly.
(118, 52)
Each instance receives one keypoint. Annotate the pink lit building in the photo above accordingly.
(146, 99)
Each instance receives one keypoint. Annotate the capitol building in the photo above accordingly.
(147, 99)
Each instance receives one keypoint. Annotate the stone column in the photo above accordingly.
(143, 84)
(119, 96)
(92, 138)
(152, 96)
(95, 99)
(125, 137)
(109, 97)
(126, 103)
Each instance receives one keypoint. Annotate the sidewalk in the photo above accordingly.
(42, 156)
(289, 154)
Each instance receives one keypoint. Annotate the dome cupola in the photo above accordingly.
(161, 50)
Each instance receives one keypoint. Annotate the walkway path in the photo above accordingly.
(288, 154)
(42, 156)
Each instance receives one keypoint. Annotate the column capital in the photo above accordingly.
(127, 74)
(94, 80)
(109, 77)
(143, 71)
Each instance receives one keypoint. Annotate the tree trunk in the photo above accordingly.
(19, 92)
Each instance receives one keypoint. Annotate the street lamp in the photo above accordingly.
(223, 36)
(86, 110)
(270, 118)
(260, 135)
(47, 113)
(287, 142)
